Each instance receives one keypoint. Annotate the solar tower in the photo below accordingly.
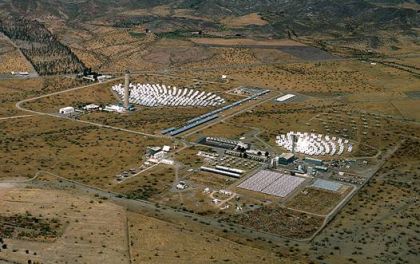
(126, 90)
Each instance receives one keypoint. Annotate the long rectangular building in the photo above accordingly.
(222, 172)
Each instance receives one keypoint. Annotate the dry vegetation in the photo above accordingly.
(315, 201)
(245, 42)
(148, 185)
(281, 221)
(84, 153)
(95, 230)
(40, 46)
(382, 214)
(28, 227)
(246, 20)
(155, 241)
(332, 95)
(12, 91)
(11, 59)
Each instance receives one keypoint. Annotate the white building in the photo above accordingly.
(114, 108)
(166, 148)
(103, 78)
(91, 107)
(20, 73)
(167, 162)
(66, 110)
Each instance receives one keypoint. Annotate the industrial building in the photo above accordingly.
(220, 142)
(192, 125)
(114, 108)
(203, 118)
(285, 98)
(316, 162)
(286, 158)
(67, 110)
(222, 172)
(233, 170)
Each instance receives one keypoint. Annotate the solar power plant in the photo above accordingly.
(327, 185)
(272, 183)
(259, 181)
(154, 95)
(314, 144)
(283, 186)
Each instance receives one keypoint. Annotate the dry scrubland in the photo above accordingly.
(79, 152)
(316, 201)
(378, 226)
(11, 59)
(333, 95)
(121, 49)
(148, 185)
(326, 78)
(94, 230)
(220, 130)
(155, 241)
(106, 48)
(246, 20)
(12, 91)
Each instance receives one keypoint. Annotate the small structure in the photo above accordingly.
(90, 77)
(166, 148)
(24, 73)
(102, 78)
(91, 107)
(66, 110)
(181, 185)
(167, 162)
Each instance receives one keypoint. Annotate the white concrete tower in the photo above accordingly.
(126, 89)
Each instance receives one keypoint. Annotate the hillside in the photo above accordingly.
(303, 17)
(345, 27)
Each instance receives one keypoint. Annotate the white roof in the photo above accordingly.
(166, 148)
(285, 97)
(68, 108)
